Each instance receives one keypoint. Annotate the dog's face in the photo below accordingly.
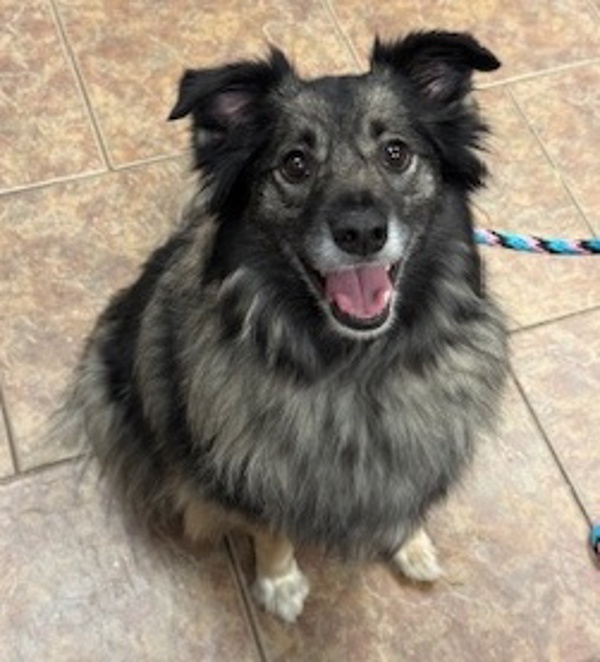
(344, 175)
(351, 185)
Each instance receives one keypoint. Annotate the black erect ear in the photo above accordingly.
(440, 64)
(232, 121)
(224, 97)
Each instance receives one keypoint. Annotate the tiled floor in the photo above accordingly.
(90, 175)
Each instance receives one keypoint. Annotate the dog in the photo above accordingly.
(311, 356)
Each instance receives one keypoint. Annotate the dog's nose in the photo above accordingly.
(360, 232)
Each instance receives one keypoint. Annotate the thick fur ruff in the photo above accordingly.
(225, 375)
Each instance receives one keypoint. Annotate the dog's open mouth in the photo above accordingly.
(359, 297)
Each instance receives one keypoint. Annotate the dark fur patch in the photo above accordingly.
(220, 372)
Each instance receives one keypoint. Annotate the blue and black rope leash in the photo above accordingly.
(532, 244)
(595, 540)
(552, 246)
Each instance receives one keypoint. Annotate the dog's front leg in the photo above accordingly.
(280, 587)
(417, 558)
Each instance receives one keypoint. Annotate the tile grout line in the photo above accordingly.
(342, 33)
(246, 599)
(595, 9)
(41, 468)
(47, 183)
(72, 59)
(10, 432)
(540, 73)
(92, 174)
(140, 163)
(558, 171)
(555, 456)
(554, 320)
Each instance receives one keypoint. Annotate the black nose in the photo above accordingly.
(361, 232)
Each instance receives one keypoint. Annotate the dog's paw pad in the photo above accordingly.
(417, 559)
(283, 596)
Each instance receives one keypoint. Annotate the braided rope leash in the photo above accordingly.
(595, 540)
(530, 244)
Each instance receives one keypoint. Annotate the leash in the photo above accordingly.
(531, 244)
(553, 246)
(595, 540)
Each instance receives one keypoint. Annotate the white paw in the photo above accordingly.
(283, 596)
(417, 558)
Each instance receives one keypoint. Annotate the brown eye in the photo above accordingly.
(396, 155)
(296, 166)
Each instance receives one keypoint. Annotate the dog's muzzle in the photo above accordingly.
(359, 295)
(355, 264)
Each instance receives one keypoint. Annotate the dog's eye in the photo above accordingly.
(296, 166)
(396, 155)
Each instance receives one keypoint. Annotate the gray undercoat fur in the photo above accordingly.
(348, 454)
(347, 462)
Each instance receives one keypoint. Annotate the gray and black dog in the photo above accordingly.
(312, 355)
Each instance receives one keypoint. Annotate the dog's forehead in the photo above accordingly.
(344, 99)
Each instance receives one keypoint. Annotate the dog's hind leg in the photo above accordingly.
(417, 558)
(280, 587)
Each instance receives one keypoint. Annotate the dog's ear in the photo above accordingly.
(232, 121)
(228, 96)
(440, 64)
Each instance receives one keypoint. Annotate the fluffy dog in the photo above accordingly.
(312, 355)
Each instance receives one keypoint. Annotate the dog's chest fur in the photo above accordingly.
(351, 460)
(312, 349)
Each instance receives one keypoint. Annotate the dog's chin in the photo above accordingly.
(344, 322)
(360, 329)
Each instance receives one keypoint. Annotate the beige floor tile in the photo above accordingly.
(45, 131)
(75, 587)
(520, 583)
(67, 248)
(564, 111)
(525, 194)
(6, 463)
(526, 37)
(559, 368)
(131, 55)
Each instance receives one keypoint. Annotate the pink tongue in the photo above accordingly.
(362, 292)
